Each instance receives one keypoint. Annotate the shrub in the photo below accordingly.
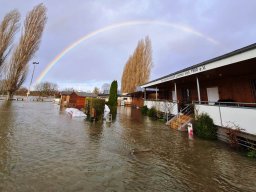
(113, 94)
(95, 108)
(204, 127)
(251, 153)
(233, 133)
(144, 110)
(152, 112)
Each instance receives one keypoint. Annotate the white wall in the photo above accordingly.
(163, 106)
(224, 116)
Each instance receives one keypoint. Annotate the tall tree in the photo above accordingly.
(8, 28)
(112, 101)
(17, 67)
(138, 67)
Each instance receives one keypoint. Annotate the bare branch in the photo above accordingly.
(8, 28)
(138, 67)
(28, 45)
(46, 88)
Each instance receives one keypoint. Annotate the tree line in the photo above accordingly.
(43, 89)
(14, 60)
(138, 67)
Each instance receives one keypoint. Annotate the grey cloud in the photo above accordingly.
(102, 57)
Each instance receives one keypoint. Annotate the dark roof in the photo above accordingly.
(134, 93)
(123, 95)
(85, 94)
(66, 92)
(103, 95)
(238, 51)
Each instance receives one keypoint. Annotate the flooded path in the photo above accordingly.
(43, 149)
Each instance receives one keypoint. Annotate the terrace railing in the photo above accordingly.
(164, 106)
(229, 114)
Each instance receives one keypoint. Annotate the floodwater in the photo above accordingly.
(43, 149)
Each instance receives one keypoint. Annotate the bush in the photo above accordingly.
(95, 108)
(152, 112)
(233, 133)
(144, 110)
(251, 153)
(204, 127)
(113, 94)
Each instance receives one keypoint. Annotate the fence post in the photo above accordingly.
(220, 116)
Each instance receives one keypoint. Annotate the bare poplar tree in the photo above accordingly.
(147, 60)
(126, 73)
(8, 28)
(138, 67)
(17, 68)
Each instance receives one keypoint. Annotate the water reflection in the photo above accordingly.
(113, 112)
(43, 149)
(6, 134)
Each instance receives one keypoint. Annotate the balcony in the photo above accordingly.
(230, 114)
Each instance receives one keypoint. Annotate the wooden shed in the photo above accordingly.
(78, 99)
(64, 99)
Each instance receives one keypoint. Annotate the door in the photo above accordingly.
(186, 97)
(213, 95)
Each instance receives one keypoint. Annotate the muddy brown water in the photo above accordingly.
(43, 149)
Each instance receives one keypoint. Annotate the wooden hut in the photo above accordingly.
(78, 99)
(64, 99)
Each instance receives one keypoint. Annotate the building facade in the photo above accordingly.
(75, 99)
(224, 87)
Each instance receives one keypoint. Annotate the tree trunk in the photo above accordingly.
(9, 95)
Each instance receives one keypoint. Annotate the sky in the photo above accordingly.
(182, 32)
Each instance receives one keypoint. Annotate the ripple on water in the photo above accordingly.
(42, 149)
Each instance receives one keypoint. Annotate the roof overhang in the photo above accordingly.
(239, 55)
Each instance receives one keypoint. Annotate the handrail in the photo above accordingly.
(169, 109)
(216, 102)
(225, 105)
(164, 100)
(186, 108)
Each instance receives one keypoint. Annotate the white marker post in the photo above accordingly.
(190, 131)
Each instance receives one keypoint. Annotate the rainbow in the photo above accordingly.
(119, 25)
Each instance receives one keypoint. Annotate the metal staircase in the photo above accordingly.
(184, 117)
(168, 108)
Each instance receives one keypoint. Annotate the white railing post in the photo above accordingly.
(198, 90)
(220, 116)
